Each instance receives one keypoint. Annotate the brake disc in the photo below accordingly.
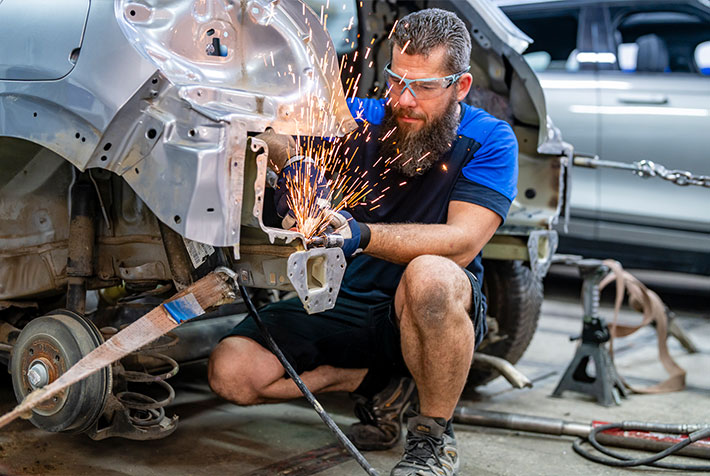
(44, 350)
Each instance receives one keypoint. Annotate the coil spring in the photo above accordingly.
(145, 410)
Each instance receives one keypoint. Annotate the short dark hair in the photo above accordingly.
(431, 28)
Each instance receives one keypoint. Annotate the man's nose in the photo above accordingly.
(407, 99)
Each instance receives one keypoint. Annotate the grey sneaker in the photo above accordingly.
(380, 426)
(429, 451)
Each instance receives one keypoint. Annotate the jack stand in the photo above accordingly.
(606, 385)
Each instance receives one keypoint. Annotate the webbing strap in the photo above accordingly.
(650, 305)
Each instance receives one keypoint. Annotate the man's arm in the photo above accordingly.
(467, 229)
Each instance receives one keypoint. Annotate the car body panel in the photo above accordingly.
(40, 47)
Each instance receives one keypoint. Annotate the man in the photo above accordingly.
(410, 304)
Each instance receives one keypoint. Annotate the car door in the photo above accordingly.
(655, 105)
(563, 34)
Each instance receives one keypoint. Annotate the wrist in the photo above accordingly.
(365, 235)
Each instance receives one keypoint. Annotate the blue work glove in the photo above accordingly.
(298, 168)
(356, 236)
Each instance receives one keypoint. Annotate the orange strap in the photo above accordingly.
(650, 305)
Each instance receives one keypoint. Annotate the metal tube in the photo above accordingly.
(520, 422)
(516, 378)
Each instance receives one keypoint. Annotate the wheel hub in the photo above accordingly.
(38, 375)
(44, 350)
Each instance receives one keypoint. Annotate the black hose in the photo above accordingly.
(302, 386)
(622, 460)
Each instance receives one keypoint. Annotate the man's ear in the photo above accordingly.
(463, 86)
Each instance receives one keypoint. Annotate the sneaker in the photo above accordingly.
(429, 450)
(380, 426)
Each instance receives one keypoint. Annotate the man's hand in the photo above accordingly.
(281, 148)
(355, 234)
(300, 169)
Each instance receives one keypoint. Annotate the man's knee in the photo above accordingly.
(435, 290)
(232, 371)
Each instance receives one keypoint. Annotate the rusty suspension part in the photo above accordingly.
(82, 234)
(214, 289)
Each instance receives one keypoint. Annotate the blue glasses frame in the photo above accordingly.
(452, 78)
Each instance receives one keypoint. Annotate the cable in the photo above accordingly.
(302, 386)
(627, 461)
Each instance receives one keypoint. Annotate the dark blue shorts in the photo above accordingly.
(351, 335)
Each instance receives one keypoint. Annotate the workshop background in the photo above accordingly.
(626, 87)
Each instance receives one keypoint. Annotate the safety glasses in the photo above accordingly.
(425, 88)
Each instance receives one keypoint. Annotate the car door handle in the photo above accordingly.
(643, 99)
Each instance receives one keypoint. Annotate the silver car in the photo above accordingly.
(629, 80)
(130, 166)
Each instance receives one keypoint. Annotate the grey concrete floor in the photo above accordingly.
(217, 438)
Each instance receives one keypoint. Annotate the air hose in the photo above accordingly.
(302, 386)
(647, 436)
(694, 432)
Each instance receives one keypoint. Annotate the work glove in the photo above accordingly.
(297, 169)
(281, 148)
(356, 235)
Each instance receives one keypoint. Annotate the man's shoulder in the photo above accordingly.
(370, 110)
(479, 125)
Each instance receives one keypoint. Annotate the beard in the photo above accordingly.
(413, 152)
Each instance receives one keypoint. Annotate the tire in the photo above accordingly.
(514, 298)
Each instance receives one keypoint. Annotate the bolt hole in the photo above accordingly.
(104, 158)
(177, 219)
(32, 352)
(151, 133)
(330, 290)
(154, 81)
(191, 132)
(132, 13)
(530, 193)
(210, 210)
(77, 135)
(55, 399)
(210, 32)
(83, 139)
(56, 358)
(34, 114)
(107, 146)
(137, 171)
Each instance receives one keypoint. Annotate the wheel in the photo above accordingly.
(514, 298)
(44, 350)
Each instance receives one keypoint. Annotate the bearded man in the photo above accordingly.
(410, 310)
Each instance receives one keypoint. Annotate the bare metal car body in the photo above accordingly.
(128, 158)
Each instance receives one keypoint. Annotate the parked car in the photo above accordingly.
(629, 80)
(130, 167)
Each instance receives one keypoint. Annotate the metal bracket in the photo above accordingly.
(542, 245)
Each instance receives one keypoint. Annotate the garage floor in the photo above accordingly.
(215, 437)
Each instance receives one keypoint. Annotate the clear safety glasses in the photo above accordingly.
(425, 88)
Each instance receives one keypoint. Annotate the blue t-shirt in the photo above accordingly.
(481, 167)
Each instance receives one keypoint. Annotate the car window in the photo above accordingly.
(340, 19)
(662, 41)
(553, 49)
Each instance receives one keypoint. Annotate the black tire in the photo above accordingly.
(514, 298)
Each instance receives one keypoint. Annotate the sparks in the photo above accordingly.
(405, 46)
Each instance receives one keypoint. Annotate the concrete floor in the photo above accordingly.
(216, 438)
